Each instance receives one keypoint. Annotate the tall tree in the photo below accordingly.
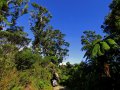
(88, 40)
(12, 36)
(112, 21)
(40, 18)
(112, 27)
(10, 11)
(97, 49)
(48, 42)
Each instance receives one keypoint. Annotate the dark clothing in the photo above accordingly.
(55, 76)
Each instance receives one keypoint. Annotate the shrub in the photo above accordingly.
(24, 59)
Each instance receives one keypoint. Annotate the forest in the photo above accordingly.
(28, 64)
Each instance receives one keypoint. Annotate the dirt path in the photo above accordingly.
(59, 88)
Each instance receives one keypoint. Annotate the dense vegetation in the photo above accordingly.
(26, 63)
(101, 69)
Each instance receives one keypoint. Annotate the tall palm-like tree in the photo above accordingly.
(97, 49)
(88, 40)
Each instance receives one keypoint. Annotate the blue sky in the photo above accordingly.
(73, 17)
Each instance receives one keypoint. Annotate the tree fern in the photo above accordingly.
(100, 53)
(104, 46)
(100, 47)
(95, 50)
(111, 43)
(96, 41)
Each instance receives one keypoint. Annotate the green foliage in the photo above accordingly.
(105, 46)
(64, 79)
(112, 20)
(20, 66)
(47, 41)
(12, 33)
(88, 40)
(3, 8)
(101, 70)
(89, 37)
(1, 51)
(101, 47)
(24, 59)
(112, 43)
(2, 3)
(95, 50)
(96, 41)
(42, 84)
(16, 88)
(99, 52)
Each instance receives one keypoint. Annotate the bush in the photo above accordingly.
(24, 59)
(16, 88)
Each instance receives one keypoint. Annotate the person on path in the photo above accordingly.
(55, 79)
